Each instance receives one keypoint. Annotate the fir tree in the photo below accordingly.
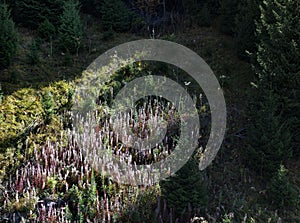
(115, 15)
(28, 12)
(269, 135)
(70, 31)
(248, 13)
(278, 57)
(47, 30)
(8, 37)
(228, 10)
(282, 193)
(185, 188)
(32, 12)
(33, 56)
(279, 47)
(91, 7)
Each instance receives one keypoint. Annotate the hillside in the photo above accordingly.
(45, 174)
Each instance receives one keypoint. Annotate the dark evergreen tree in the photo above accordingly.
(278, 57)
(115, 15)
(33, 56)
(52, 11)
(8, 37)
(269, 135)
(282, 192)
(248, 13)
(204, 16)
(46, 30)
(91, 7)
(228, 12)
(201, 12)
(187, 187)
(32, 12)
(213, 7)
(279, 47)
(70, 31)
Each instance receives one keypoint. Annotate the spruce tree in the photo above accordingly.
(33, 56)
(91, 7)
(70, 31)
(8, 37)
(248, 13)
(228, 11)
(186, 188)
(279, 47)
(31, 13)
(278, 57)
(281, 191)
(46, 30)
(269, 134)
(115, 15)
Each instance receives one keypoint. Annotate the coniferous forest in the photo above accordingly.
(46, 175)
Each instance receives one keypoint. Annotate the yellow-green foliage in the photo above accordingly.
(17, 112)
(8, 159)
(22, 123)
(23, 109)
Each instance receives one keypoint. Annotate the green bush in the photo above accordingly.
(83, 202)
(8, 37)
(141, 208)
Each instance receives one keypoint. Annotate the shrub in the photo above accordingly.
(84, 203)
